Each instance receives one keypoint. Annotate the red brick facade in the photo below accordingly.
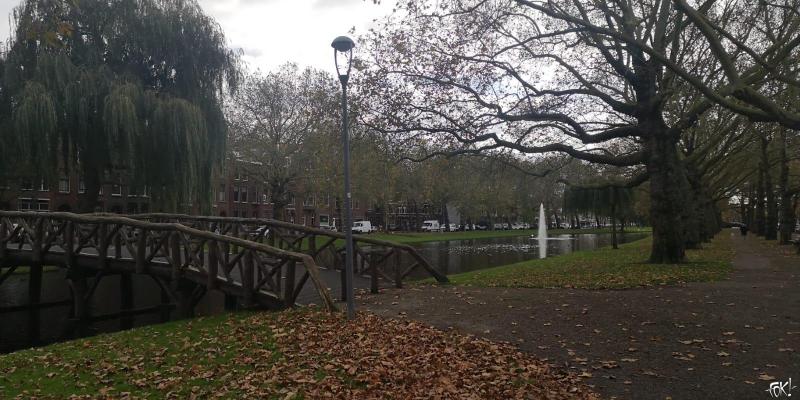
(233, 197)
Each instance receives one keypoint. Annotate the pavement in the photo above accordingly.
(716, 340)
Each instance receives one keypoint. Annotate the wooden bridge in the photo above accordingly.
(254, 262)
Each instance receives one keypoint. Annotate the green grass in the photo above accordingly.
(185, 352)
(421, 237)
(607, 268)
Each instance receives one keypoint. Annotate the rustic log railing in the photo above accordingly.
(184, 260)
(381, 260)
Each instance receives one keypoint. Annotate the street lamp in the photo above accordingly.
(343, 47)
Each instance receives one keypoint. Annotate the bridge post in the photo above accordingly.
(126, 300)
(102, 248)
(35, 283)
(175, 257)
(3, 228)
(248, 285)
(288, 289)
(398, 273)
(373, 278)
(141, 251)
(213, 265)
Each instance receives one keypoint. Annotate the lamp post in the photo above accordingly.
(343, 47)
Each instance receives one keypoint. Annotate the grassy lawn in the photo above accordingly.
(420, 237)
(298, 354)
(607, 268)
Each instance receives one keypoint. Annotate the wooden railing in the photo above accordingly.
(253, 271)
(381, 260)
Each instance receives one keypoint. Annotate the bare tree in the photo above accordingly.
(281, 125)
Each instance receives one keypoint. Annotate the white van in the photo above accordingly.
(363, 227)
(431, 226)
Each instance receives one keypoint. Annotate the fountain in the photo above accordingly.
(542, 233)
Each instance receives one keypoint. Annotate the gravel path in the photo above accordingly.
(719, 340)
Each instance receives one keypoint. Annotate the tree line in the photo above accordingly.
(668, 91)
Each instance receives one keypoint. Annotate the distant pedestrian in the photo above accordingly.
(743, 229)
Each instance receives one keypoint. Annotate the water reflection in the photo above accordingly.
(454, 256)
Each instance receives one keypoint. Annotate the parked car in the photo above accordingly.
(526, 225)
(481, 227)
(517, 226)
(453, 227)
(431, 226)
(363, 227)
(501, 226)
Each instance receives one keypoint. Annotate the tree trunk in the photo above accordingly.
(91, 197)
(446, 217)
(614, 243)
(787, 208)
(668, 188)
(771, 220)
(693, 216)
(760, 216)
(751, 204)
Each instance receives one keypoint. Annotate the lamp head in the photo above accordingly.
(343, 45)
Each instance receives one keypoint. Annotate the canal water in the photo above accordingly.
(450, 257)
(455, 256)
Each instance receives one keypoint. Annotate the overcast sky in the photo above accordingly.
(271, 32)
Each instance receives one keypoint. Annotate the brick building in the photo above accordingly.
(234, 196)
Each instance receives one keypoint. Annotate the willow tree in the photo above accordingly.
(119, 90)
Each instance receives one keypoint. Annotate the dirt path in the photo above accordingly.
(721, 340)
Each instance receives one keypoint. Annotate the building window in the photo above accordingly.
(291, 203)
(42, 186)
(243, 195)
(82, 187)
(264, 199)
(221, 194)
(24, 204)
(63, 185)
(145, 191)
(42, 205)
(116, 190)
(309, 201)
(328, 199)
(26, 184)
(235, 194)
